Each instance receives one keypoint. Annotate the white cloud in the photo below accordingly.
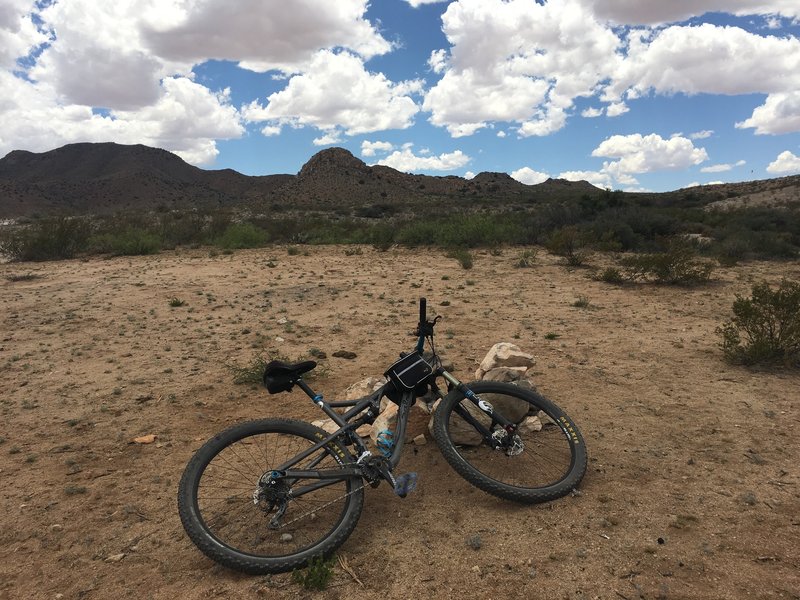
(264, 34)
(518, 61)
(438, 61)
(721, 168)
(371, 148)
(592, 112)
(326, 139)
(337, 91)
(501, 134)
(469, 175)
(701, 135)
(528, 176)
(186, 119)
(786, 162)
(707, 59)
(644, 154)
(271, 130)
(405, 160)
(616, 109)
(632, 12)
(418, 3)
(780, 113)
(18, 33)
(596, 178)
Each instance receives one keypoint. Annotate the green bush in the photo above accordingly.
(568, 242)
(765, 328)
(130, 242)
(316, 575)
(676, 266)
(611, 275)
(527, 259)
(50, 239)
(463, 257)
(242, 235)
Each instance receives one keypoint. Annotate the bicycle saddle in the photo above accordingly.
(280, 376)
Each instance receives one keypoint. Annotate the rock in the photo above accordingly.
(115, 558)
(530, 425)
(504, 354)
(474, 541)
(461, 433)
(279, 339)
(145, 439)
(345, 354)
(418, 418)
(544, 418)
(286, 537)
(363, 388)
(420, 440)
(506, 374)
(283, 321)
(511, 408)
(327, 424)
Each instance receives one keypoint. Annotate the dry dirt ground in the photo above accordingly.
(693, 487)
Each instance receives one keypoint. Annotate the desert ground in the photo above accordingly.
(693, 486)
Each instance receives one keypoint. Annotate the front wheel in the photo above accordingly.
(543, 460)
(233, 512)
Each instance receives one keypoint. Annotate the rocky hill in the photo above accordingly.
(105, 178)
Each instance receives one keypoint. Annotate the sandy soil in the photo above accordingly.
(693, 487)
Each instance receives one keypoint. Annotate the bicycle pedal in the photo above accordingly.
(405, 484)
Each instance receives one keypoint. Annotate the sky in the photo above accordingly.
(638, 95)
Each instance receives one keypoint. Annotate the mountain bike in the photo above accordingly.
(267, 496)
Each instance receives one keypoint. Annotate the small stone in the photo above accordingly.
(475, 542)
(286, 537)
(56, 527)
(532, 572)
(749, 498)
(420, 440)
(345, 354)
(283, 321)
(279, 339)
(115, 558)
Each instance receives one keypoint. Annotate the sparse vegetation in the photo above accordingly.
(765, 328)
(526, 259)
(463, 256)
(238, 236)
(677, 266)
(316, 575)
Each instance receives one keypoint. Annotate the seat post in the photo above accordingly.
(311, 393)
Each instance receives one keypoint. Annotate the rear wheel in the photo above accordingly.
(230, 510)
(544, 460)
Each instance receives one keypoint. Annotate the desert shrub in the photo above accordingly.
(765, 328)
(611, 275)
(526, 259)
(463, 256)
(382, 237)
(129, 242)
(49, 239)
(677, 266)
(568, 242)
(242, 235)
(177, 228)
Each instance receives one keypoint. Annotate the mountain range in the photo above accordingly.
(104, 178)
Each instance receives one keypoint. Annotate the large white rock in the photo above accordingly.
(363, 388)
(504, 354)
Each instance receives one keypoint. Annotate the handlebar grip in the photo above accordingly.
(423, 310)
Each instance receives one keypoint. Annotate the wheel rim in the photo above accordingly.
(224, 498)
(547, 459)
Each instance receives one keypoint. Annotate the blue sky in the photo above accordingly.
(628, 94)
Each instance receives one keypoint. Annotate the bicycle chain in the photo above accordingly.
(317, 509)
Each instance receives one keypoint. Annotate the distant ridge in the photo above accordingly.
(103, 178)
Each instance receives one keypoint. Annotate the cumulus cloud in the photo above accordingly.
(780, 113)
(591, 112)
(337, 91)
(637, 154)
(528, 176)
(701, 135)
(405, 160)
(18, 33)
(707, 59)
(263, 34)
(596, 178)
(418, 3)
(187, 119)
(517, 61)
(639, 12)
(786, 162)
(371, 148)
